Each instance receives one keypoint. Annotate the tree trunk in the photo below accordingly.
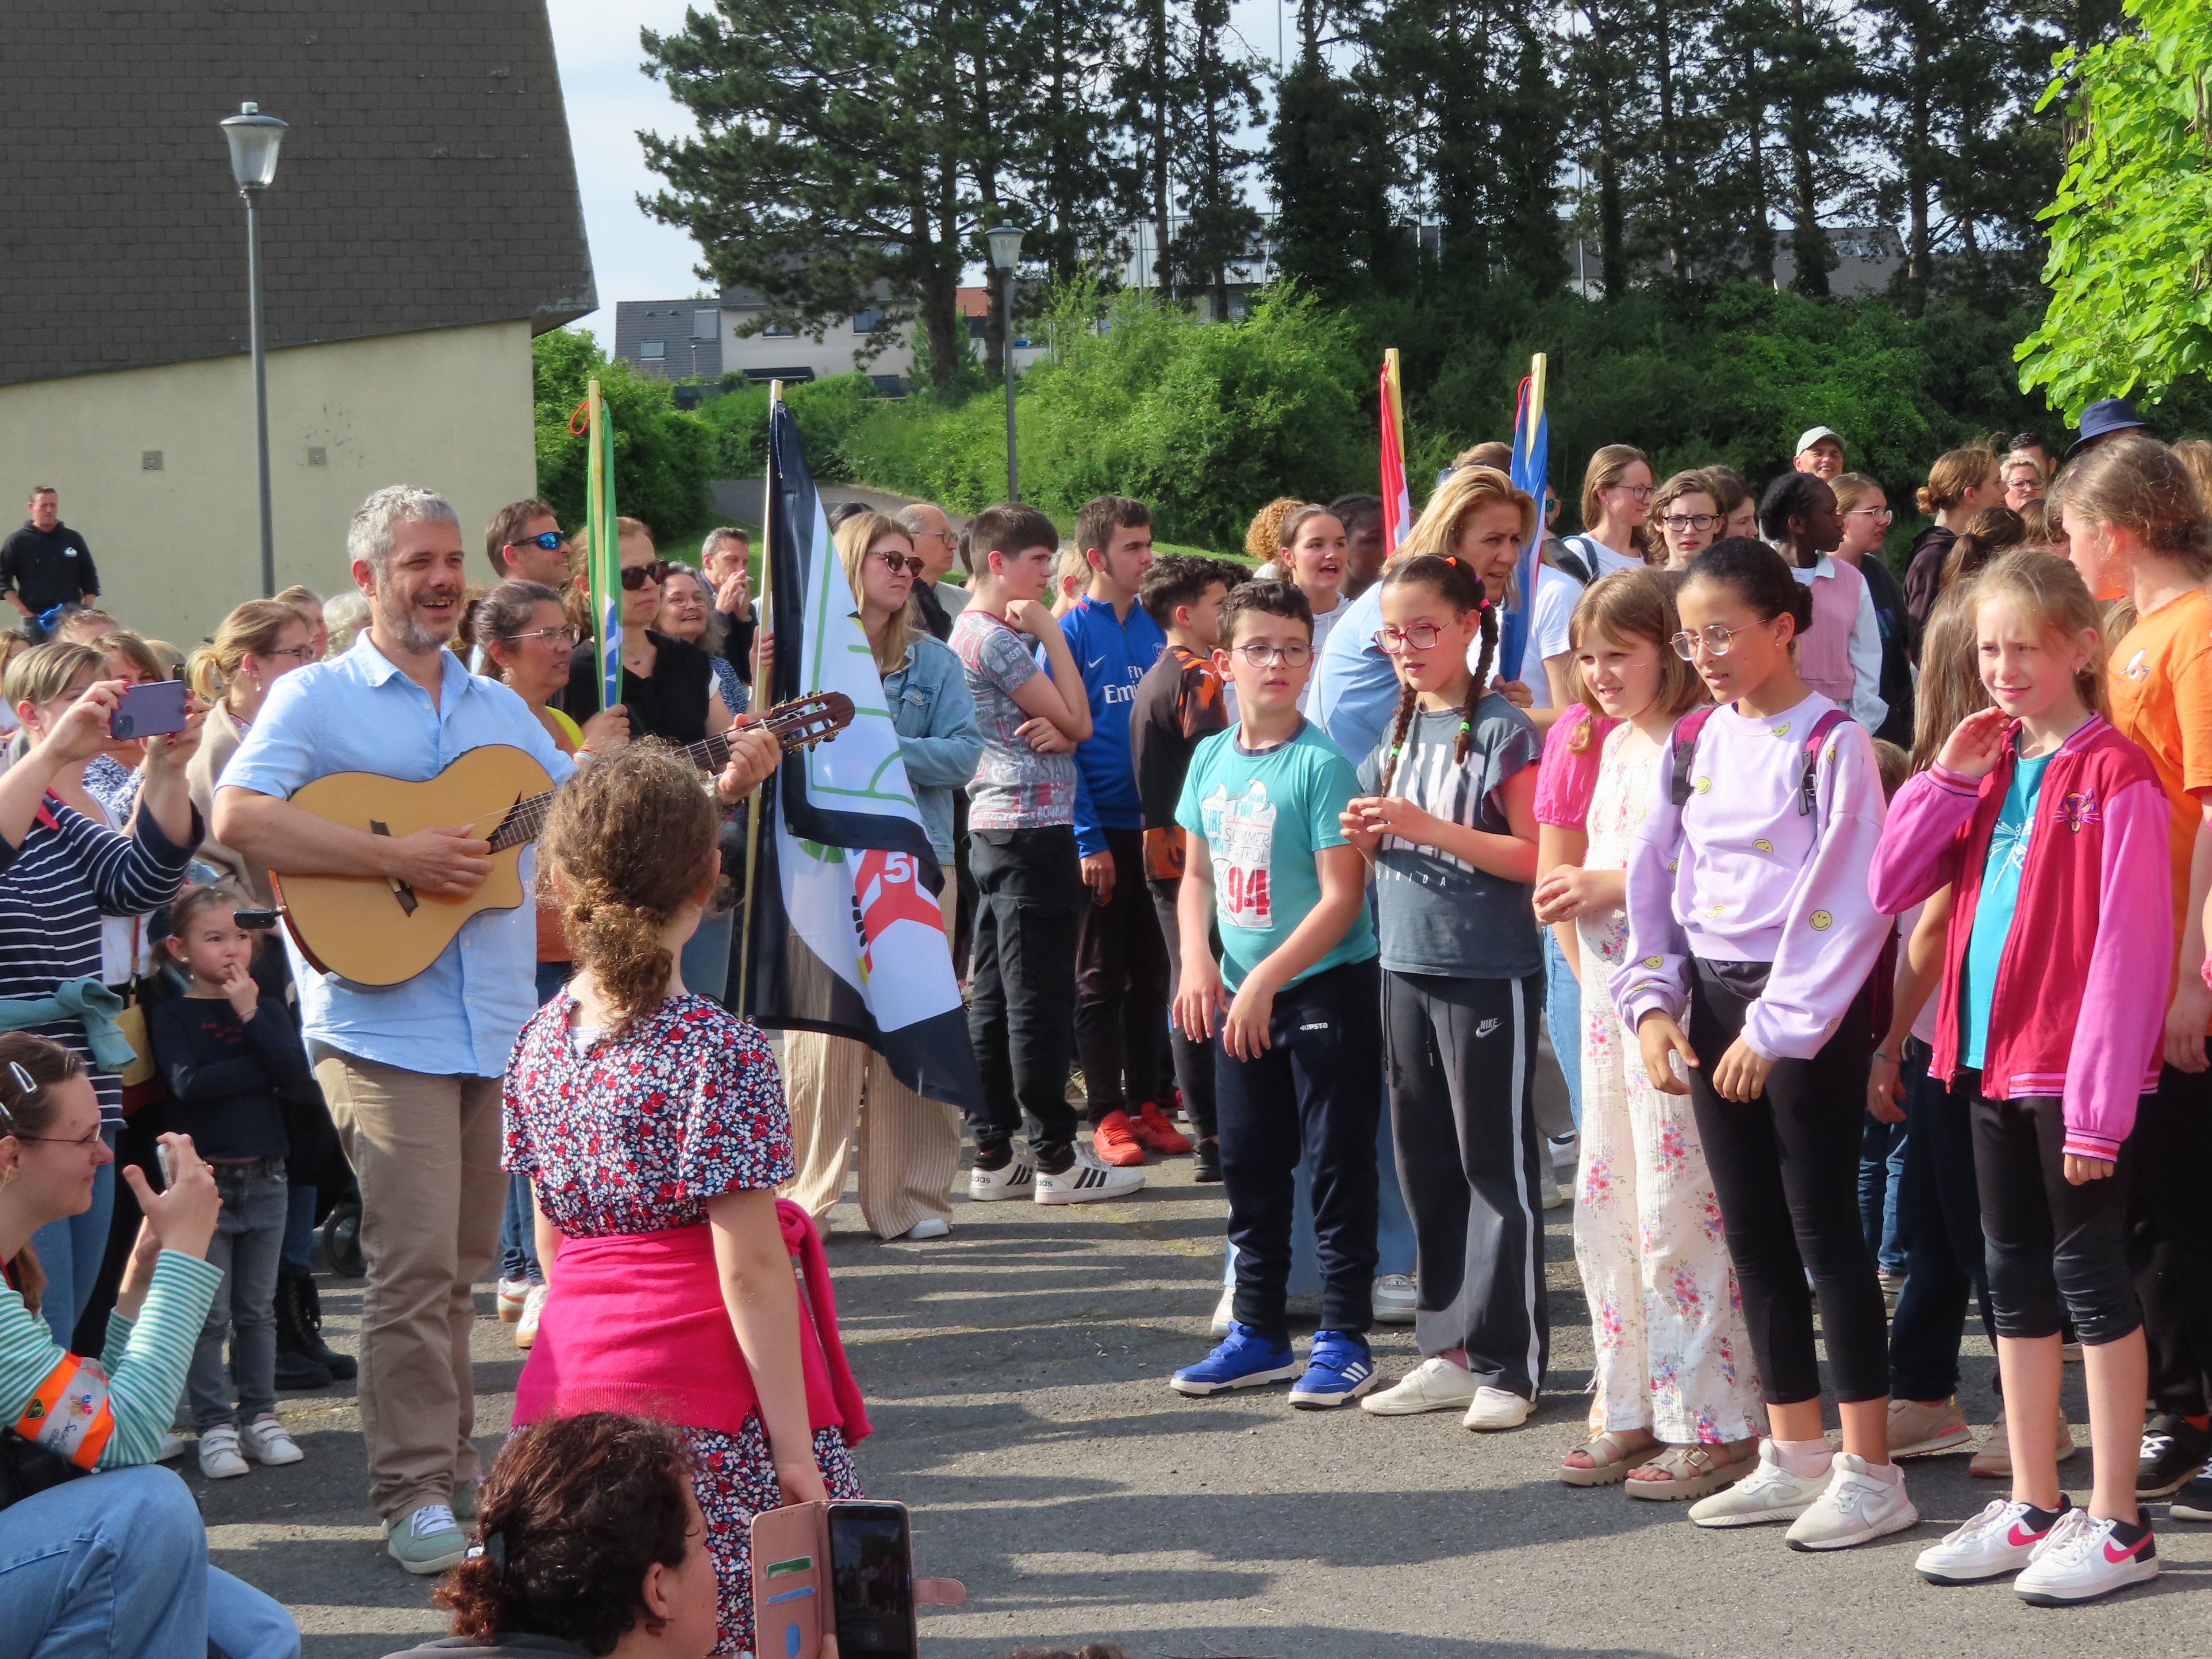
(1920, 120)
(1761, 228)
(1670, 182)
(1158, 53)
(1806, 241)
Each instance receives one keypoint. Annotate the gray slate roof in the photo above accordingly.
(427, 181)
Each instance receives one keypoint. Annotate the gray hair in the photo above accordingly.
(910, 519)
(344, 617)
(718, 625)
(369, 539)
(717, 535)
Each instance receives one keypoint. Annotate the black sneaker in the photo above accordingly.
(1205, 1161)
(2194, 1501)
(2172, 1450)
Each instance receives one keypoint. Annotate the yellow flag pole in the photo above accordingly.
(761, 688)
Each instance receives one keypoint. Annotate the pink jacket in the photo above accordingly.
(2069, 1014)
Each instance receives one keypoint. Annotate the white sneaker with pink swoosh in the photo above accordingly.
(2002, 1539)
(2087, 1560)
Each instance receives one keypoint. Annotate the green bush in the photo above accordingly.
(664, 459)
(827, 411)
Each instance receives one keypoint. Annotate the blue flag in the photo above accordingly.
(1532, 467)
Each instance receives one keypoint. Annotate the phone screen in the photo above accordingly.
(152, 710)
(872, 1580)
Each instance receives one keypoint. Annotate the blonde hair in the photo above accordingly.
(44, 673)
(300, 594)
(1263, 538)
(1852, 487)
(1694, 482)
(1606, 468)
(1955, 472)
(251, 629)
(2195, 455)
(630, 839)
(2052, 593)
(856, 539)
(1071, 564)
(74, 622)
(1950, 685)
(1634, 604)
(1454, 503)
(2137, 485)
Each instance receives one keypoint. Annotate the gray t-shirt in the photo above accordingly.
(1014, 787)
(1436, 913)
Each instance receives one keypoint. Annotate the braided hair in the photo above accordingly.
(1453, 580)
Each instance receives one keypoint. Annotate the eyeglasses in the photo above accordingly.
(637, 576)
(299, 654)
(567, 636)
(551, 540)
(1679, 522)
(1266, 656)
(1715, 638)
(82, 1143)
(1641, 492)
(1390, 640)
(899, 562)
(1879, 514)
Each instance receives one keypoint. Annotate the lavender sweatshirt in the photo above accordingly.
(1740, 875)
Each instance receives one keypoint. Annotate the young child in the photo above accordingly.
(2050, 827)
(1676, 1412)
(1292, 1006)
(229, 1053)
(651, 1125)
(1748, 903)
(1446, 815)
(1180, 700)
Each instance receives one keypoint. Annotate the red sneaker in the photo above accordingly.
(1116, 1142)
(1155, 1133)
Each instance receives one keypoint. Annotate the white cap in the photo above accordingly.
(1813, 434)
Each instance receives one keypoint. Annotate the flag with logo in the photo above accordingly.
(1532, 467)
(603, 576)
(844, 932)
(1397, 502)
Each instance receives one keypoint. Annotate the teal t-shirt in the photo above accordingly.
(2008, 856)
(1264, 815)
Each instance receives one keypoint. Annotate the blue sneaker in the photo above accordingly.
(1245, 1360)
(1340, 1370)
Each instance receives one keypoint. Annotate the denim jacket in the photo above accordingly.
(934, 714)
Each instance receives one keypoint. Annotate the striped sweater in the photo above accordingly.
(145, 1359)
(54, 889)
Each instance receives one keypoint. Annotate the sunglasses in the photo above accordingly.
(636, 577)
(899, 562)
(551, 541)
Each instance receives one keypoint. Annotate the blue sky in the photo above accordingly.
(610, 102)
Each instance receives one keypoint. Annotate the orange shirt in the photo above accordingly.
(2160, 681)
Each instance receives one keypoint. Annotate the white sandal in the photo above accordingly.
(1610, 1460)
(1694, 1472)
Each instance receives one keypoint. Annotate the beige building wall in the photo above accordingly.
(156, 466)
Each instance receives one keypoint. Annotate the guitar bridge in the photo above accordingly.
(405, 894)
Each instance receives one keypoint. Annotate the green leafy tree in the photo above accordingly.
(2129, 269)
(1331, 167)
(664, 459)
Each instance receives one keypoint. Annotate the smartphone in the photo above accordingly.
(254, 920)
(153, 710)
(161, 1156)
(787, 1581)
(871, 1581)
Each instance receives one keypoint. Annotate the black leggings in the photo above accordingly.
(2047, 1238)
(1786, 1167)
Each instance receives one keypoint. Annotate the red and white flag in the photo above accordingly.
(1397, 504)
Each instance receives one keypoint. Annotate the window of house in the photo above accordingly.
(652, 351)
(779, 331)
(868, 321)
(706, 324)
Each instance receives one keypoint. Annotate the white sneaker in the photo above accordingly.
(512, 1293)
(1856, 1508)
(930, 1226)
(1434, 1385)
(1395, 1299)
(267, 1441)
(1087, 1180)
(1998, 1540)
(533, 1309)
(2080, 1560)
(1770, 1492)
(1553, 1195)
(1018, 1179)
(219, 1455)
(1494, 1409)
(1225, 1312)
(1566, 1149)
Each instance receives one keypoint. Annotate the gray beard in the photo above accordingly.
(408, 630)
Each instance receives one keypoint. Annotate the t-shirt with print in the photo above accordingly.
(1264, 815)
(2160, 681)
(1436, 913)
(1015, 787)
(1180, 700)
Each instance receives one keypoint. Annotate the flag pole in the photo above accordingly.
(761, 688)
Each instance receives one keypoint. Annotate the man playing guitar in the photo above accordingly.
(411, 1070)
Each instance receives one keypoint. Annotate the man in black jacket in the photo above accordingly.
(46, 564)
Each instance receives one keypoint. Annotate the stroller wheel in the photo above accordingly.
(342, 1240)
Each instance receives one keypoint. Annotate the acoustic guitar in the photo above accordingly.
(376, 931)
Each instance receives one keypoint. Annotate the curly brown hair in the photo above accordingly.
(631, 839)
(580, 1508)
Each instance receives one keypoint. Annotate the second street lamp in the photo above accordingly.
(254, 140)
(1005, 253)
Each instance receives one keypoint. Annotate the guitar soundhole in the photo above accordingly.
(400, 888)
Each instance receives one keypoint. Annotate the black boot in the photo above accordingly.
(299, 1365)
(343, 1366)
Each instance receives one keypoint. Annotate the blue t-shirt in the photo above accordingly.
(2008, 856)
(1264, 815)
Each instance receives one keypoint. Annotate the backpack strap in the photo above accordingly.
(1580, 566)
(1685, 744)
(1815, 740)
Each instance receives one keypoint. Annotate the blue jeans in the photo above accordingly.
(1881, 1169)
(1393, 1222)
(518, 1234)
(1562, 1020)
(297, 1250)
(248, 1234)
(706, 960)
(116, 1567)
(71, 1249)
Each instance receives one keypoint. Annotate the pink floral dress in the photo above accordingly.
(1673, 1354)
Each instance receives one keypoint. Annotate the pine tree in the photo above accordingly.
(1219, 98)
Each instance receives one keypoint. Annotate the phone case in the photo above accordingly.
(791, 1580)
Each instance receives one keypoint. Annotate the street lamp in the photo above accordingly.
(254, 139)
(1005, 253)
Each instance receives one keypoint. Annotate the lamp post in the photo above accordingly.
(1005, 253)
(254, 139)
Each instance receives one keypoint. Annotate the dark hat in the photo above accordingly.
(2102, 419)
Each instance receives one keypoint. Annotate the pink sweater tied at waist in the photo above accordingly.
(638, 1325)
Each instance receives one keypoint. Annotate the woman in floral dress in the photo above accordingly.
(1676, 1411)
(651, 1124)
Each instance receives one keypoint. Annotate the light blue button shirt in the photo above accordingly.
(1355, 689)
(460, 1016)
